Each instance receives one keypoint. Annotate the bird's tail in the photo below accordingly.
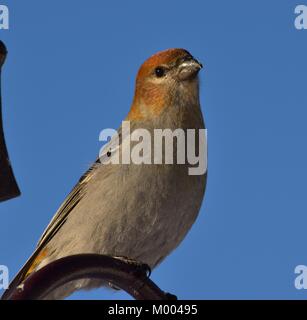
(21, 275)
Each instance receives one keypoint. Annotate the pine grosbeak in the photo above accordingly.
(138, 211)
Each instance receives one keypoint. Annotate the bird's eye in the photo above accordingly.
(160, 72)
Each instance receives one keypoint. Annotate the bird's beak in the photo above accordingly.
(189, 69)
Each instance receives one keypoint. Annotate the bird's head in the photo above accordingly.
(167, 79)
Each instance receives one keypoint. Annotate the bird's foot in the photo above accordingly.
(140, 266)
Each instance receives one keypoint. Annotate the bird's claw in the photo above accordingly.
(140, 266)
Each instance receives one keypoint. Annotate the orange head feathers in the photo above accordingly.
(159, 79)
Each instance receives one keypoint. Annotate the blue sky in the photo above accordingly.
(70, 73)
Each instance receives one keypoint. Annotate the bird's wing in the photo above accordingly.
(60, 217)
(68, 205)
(75, 196)
(108, 151)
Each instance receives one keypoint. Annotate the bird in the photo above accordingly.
(138, 211)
